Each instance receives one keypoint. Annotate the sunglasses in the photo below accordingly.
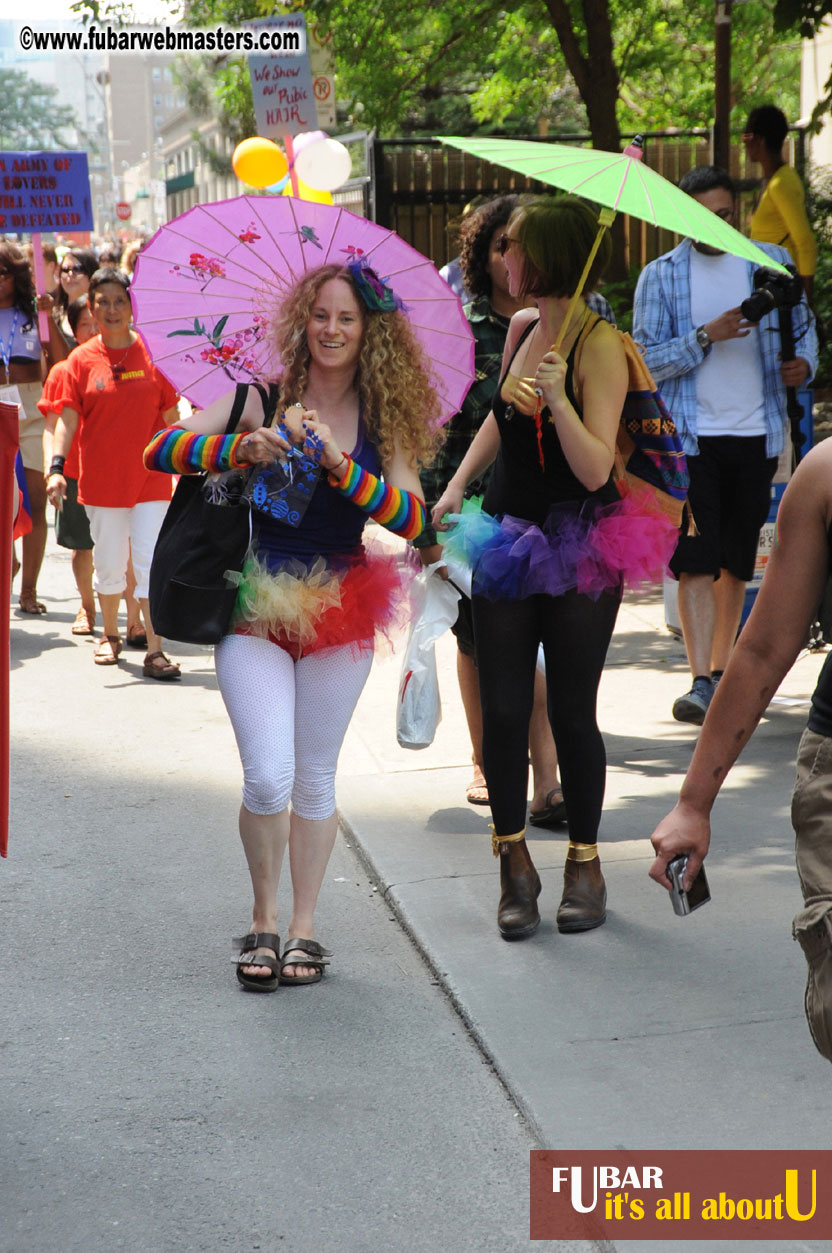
(5, 273)
(504, 243)
(72, 269)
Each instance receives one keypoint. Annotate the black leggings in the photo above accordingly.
(575, 632)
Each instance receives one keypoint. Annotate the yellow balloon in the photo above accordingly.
(259, 162)
(305, 192)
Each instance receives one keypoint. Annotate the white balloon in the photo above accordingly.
(324, 165)
(305, 138)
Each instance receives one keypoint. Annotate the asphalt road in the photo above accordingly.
(147, 1103)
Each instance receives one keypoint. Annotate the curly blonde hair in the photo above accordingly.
(398, 401)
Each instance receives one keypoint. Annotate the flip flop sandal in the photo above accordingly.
(168, 671)
(83, 624)
(136, 637)
(107, 651)
(550, 815)
(247, 944)
(472, 797)
(316, 956)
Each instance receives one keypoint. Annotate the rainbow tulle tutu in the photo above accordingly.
(304, 608)
(582, 545)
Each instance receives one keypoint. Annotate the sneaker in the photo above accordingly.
(693, 706)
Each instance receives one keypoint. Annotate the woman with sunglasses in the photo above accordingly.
(22, 359)
(77, 268)
(489, 314)
(548, 550)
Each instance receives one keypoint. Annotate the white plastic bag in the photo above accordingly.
(419, 708)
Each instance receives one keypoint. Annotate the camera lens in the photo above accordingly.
(758, 304)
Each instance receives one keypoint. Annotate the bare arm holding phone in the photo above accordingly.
(768, 645)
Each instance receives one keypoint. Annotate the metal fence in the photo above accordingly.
(419, 187)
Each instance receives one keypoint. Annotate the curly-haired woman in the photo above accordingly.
(22, 373)
(313, 597)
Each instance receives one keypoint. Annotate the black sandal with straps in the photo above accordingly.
(316, 956)
(247, 944)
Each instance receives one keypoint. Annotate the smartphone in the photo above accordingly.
(685, 902)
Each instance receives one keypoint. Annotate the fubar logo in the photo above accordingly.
(681, 1194)
(605, 1177)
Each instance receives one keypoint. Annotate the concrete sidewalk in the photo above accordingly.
(652, 1032)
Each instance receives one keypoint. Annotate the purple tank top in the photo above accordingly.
(332, 524)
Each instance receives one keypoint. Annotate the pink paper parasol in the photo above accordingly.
(208, 285)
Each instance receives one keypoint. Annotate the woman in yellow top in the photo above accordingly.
(780, 215)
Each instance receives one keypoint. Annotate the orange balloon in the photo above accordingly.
(259, 162)
(305, 192)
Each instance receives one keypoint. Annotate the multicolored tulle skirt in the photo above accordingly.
(325, 602)
(581, 546)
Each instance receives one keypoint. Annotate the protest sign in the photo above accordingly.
(44, 191)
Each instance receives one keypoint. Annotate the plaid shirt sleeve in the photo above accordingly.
(671, 349)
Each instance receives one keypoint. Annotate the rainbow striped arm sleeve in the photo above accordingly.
(400, 511)
(176, 451)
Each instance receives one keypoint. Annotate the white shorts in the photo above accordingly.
(117, 533)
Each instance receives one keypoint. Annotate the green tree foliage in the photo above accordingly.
(806, 16)
(30, 116)
(667, 66)
(664, 53)
(533, 65)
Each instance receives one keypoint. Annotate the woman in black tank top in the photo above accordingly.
(541, 553)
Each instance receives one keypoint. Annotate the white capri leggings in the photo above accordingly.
(289, 719)
(116, 533)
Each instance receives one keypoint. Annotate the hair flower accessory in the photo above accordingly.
(377, 295)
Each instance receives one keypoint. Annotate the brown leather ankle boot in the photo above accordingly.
(517, 913)
(584, 902)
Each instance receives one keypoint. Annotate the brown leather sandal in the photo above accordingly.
(136, 637)
(316, 956)
(247, 944)
(107, 650)
(169, 670)
(83, 624)
(553, 813)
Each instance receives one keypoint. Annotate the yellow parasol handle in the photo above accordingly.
(606, 217)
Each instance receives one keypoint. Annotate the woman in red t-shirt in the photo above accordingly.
(117, 400)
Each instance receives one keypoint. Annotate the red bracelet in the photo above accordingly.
(337, 478)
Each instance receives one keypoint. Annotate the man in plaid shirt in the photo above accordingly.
(724, 384)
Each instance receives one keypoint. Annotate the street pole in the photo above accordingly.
(721, 142)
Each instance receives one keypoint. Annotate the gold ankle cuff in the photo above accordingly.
(497, 840)
(581, 852)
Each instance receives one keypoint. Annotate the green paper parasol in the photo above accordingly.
(621, 182)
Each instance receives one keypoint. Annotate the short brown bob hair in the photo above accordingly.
(556, 234)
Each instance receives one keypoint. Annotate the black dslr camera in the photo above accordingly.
(772, 290)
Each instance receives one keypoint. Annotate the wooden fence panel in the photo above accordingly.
(422, 188)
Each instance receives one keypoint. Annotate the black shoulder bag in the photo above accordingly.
(206, 531)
